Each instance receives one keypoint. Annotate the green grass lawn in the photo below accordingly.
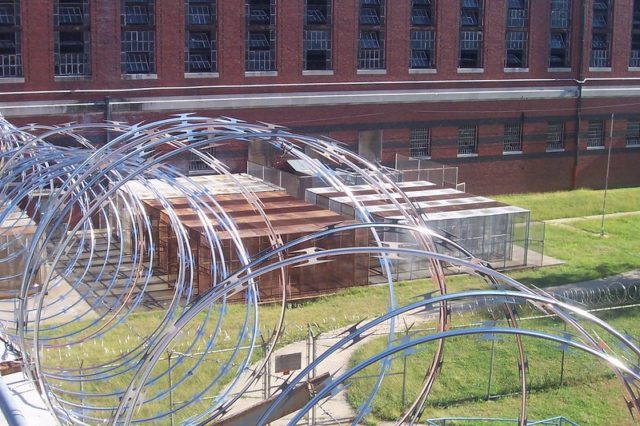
(586, 253)
(582, 202)
(589, 394)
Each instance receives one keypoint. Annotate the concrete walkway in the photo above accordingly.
(599, 216)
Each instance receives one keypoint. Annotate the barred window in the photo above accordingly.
(467, 139)
(470, 49)
(317, 40)
(601, 33)
(317, 50)
(634, 58)
(137, 37)
(318, 12)
(371, 46)
(555, 137)
(422, 12)
(200, 14)
(516, 49)
(422, 49)
(260, 51)
(518, 14)
(517, 34)
(633, 133)
(10, 39)
(595, 134)
(560, 13)
(512, 137)
(198, 163)
(559, 55)
(201, 53)
(420, 142)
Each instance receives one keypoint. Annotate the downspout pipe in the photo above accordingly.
(580, 82)
(10, 411)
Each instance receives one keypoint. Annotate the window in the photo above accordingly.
(601, 34)
(423, 36)
(516, 49)
(198, 163)
(10, 39)
(371, 40)
(422, 13)
(317, 35)
(471, 34)
(517, 34)
(633, 133)
(467, 140)
(555, 137)
(317, 12)
(512, 137)
(261, 35)
(138, 52)
(595, 134)
(559, 55)
(420, 142)
(200, 51)
(634, 60)
(72, 37)
(137, 37)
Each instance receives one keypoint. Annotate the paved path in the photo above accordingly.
(599, 216)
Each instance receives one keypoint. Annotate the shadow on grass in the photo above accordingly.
(562, 275)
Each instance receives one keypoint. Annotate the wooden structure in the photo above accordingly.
(290, 218)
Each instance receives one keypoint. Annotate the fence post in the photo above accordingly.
(266, 389)
(309, 361)
(82, 388)
(170, 388)
(407, 329)
(562, 360)
(314, 354)
(527, 237)
(493, 347)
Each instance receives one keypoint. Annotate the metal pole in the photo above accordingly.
(606, 179)
(11, 412)
(310, 376)
(314, 355)
(266, 390)
(82, 388)
(493, 347)
(170, 388)
(404, 379)
(562, 362)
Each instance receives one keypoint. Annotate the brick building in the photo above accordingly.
(519, 94)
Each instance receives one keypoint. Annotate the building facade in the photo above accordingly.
(521, 95)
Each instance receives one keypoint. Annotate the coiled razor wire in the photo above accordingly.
(87, 266)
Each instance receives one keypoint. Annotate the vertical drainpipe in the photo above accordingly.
(107, 114)
(580, 82)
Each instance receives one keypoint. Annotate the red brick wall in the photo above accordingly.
(490, 172)
(105, 24)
